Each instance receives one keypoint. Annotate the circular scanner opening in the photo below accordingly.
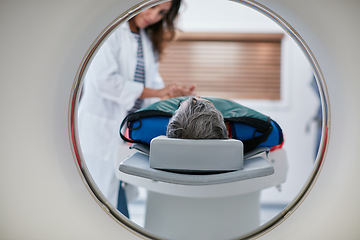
(322, 122)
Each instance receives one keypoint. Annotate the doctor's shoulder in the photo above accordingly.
(119, 37)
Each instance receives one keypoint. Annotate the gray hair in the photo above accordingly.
(197, 118)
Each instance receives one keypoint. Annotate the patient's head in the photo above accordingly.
(197, 118)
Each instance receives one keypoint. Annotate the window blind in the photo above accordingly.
(235, 65)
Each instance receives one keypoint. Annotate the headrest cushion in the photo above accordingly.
(194, 155)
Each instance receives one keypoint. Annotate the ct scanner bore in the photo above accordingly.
(129, 14)
(43, 195)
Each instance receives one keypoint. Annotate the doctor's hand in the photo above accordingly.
(178, 90)
(170, 91)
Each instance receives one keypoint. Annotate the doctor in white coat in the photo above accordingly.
(123, 77)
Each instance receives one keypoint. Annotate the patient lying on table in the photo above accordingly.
(202, 118)
(197, 118)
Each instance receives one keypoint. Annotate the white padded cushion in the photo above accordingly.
(190, 155)
(138, 165)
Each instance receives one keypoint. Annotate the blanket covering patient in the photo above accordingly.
(197, 118)
(202, 118)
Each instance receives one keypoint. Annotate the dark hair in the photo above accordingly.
(198, 119)
(164, 30)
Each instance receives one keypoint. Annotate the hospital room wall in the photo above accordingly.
(299, 102)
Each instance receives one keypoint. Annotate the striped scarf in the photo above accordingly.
(139, 71)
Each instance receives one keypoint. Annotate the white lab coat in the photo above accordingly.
(109, 93)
